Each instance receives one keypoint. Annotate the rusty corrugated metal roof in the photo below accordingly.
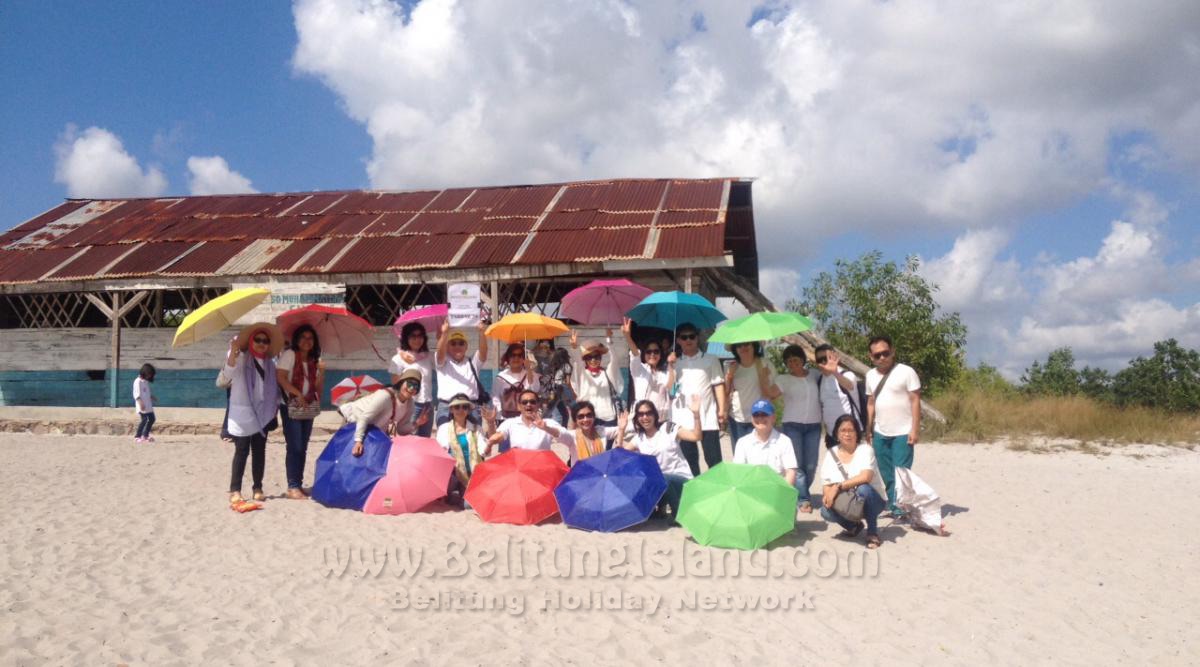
(312, 232)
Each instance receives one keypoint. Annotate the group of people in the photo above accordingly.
(678, 401)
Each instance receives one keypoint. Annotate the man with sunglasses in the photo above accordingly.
(457, 373)
(893, 413)
(528, 430)
(700, 375)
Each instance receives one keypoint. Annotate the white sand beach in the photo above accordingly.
(121, 553)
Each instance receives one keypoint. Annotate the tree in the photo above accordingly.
(1169, 380)
(870, 297)
(1096, 383)
(1057, 377)
(986, 379)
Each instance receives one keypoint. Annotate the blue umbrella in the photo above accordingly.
(610, 491)
(667, 310)
(344, 480)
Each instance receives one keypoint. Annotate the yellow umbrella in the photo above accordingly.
(217, 315)
(518, 327)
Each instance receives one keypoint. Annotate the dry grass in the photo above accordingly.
(974, 416)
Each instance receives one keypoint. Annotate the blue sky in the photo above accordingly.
(1010, 192)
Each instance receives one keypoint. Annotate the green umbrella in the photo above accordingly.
(738, 506)
(760, 326)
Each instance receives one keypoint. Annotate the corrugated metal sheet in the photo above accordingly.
(691, 195)
(207, 259)
(91, 262)
(705, 241)
(273, 233)
(148, 259)
(29, 265)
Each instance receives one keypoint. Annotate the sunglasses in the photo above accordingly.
(530, 402)
(649, 352)
(460, 407)
(820, 360)
(585, 415)
(881, 355)
(593, 357)
(412, 384)
(644, 414)
(688, 336)
(261, 341)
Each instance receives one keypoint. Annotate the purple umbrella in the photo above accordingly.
(429, 316)
(602, 301)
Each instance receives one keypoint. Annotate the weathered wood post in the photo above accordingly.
(115, 340)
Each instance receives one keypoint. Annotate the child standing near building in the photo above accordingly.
(144, 400)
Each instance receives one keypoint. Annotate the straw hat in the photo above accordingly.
(243, 339)
(592, 347)
(461, 401)
(410, 374)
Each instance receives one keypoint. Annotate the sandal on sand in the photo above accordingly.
(806, 508)
(852, 532)
(296, 494)
(236, 497)
(259, 495)
(873, 542)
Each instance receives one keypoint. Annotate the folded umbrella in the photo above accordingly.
(431, 317)
(760, 326)
(353, 388)
(418, 471)
(738, 506)
(667, 310)
(344, 480)
(610, 491)
(516, 487)
(218, 314)
(519, 327)
(602, 301)
(339, 331)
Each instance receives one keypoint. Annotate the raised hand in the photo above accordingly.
(831, 362)
(423, 418)
(407, 357)
(671, 358)
(694, 403)
(622, 421)
(574, 338)
(627, 326)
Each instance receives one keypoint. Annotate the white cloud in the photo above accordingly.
(94, 163)
(212, 176)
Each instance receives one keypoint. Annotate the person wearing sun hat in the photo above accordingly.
(389, 409)
(458, 373)
(765, 445)
(253, 402)
(595, 382)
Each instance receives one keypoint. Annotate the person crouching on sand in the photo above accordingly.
(849, 467)
(389, 409)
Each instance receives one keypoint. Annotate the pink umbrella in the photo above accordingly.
(353, 388)
(418, 471)
(340, 331)
(602, 301)
(429, 316)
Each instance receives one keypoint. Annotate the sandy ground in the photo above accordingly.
(120, 553)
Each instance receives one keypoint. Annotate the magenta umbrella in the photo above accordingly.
(431, 317)
(603, 301)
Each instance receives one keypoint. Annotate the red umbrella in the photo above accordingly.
(602, 301)
(429, 316)
(418, 471)
(353, 388)
(516, 487)
(340, 331)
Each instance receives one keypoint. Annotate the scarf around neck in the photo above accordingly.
(262, 373)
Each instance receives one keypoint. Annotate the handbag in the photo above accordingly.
(310, 411)
(848, 504)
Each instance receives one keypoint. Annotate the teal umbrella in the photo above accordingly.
(668, 310)
(738, 506)
(760, 326)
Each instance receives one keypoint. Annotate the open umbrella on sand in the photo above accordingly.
(217, 315)
(418, 471)
(344, 480)
(610, 491)
(738, 506)
(516, 487)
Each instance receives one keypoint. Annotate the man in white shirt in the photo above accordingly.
(838, 390)
(766, 446)
(893, 413)
(529, 430)
(700, 375)
(456, 373)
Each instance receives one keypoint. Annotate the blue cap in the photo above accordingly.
(762, 407)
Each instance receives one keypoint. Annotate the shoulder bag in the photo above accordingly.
(847, 503)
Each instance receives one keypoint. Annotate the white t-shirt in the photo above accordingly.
(454, 377)
(697, 375)
(664, 447)
(598, 388)
(801, 403)
(776, 453)
(506, 378)
(893, 412)
(650, 384)
(285, 362)
(746, 390)
(141, 389)
(523, 436)
(864, 459)
(835, 401)
(423, 362)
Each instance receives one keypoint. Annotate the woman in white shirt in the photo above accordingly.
(801, 392)
(661, 440)
(389, 409)
(586, 439)
(301, 374)
(465, 442)
(528, 431)
(249, 369)
(651, 373)
(747, 379)
(413, 352)
(858, 474)
(515, 376)
(593, 381)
